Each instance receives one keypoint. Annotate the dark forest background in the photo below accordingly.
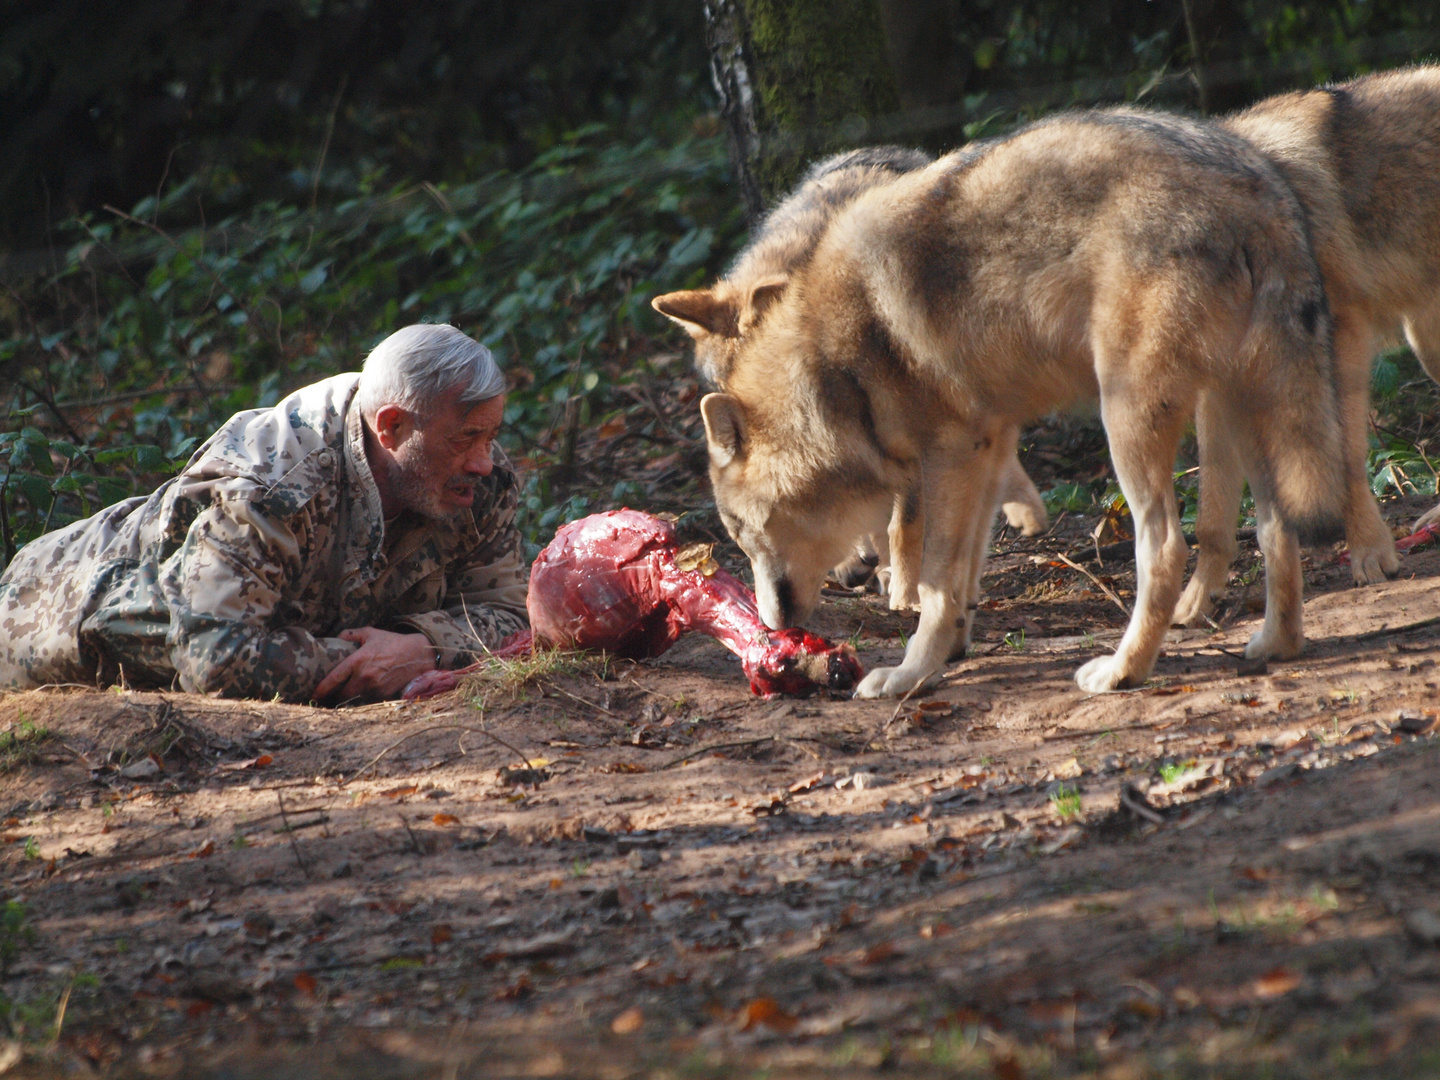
(203, 204)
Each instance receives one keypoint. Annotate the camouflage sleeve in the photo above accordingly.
(223, 587)
(486, 585)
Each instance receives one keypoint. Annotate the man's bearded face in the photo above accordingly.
(445, 456)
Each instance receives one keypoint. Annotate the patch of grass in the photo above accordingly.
(20, 744)
(1065, 801)
(512, 675)
(1015, 639)
(32, 849)
(1176, 769)
(38, 1018)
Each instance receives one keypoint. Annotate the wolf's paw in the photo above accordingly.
(1030, 518)
(894, 681)
(1102, 675)
(1263, 645)
(1195, 604)
(1373, 563)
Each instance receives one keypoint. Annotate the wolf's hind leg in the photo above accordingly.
(1221, 482)
(1144, 434)
(1372, 549)
(1282, 636)
(1020, 502)
(907, 541)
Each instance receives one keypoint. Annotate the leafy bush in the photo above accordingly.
(140, 342)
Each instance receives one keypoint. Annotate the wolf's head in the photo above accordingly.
(790, 496)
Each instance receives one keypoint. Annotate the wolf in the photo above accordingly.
(1364, 159)
(718, 319)
(1136, 258)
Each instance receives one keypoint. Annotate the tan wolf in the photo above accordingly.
(719, 317)
(1364, 159)
(1141, 259)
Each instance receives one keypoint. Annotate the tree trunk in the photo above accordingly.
(797, 79)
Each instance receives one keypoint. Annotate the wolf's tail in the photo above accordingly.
(1289, 410)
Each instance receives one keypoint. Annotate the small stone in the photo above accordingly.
(1423, 925)
(643, 859)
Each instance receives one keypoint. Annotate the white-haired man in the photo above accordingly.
(333, 547)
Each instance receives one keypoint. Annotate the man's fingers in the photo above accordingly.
(339, 674)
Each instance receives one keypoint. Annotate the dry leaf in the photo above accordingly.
(766, 1011)
(305, 983)
(1007, 1068)
(1276, 983)
(440, 933)
(697, 556)
(628, 1022)
(204, 851)
(402, 790)
(445, 819)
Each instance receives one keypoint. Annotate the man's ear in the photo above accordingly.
(724, 427)
(392, 426)
(763, 294)
(700, 311)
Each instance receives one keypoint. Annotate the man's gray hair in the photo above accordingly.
(418, 366)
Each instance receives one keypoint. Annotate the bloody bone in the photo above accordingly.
(612, 581)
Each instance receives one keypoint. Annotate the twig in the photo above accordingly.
(524, 759)
(1386, 631)
(717, 746)
(295, 847)
(414, 841)
(1098, 583)
(325, 142)
(582, 701)
(1139, 809)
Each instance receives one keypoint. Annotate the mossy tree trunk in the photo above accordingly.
(797, 79)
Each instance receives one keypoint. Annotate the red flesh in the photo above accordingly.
(610, 582)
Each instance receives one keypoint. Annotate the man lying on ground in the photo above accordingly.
(357, 534)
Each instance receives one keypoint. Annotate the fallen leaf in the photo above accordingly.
(305, 983)
(198, 1008)
(204, 851)
(621, 767)
(765, 1011)
(445, 819)
(628, 1022)
(884, 951)
(1007, 1068)
(440, 933)
(402, 790)
(1276, 983)
(249, 763)
(697, 556)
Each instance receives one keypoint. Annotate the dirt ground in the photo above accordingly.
(615, 869)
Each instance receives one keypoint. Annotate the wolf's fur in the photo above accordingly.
(1144, 259)
(718, 318)
(1364, 159)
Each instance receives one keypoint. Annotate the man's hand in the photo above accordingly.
(380, 668)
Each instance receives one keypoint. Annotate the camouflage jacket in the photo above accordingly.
(236, 576)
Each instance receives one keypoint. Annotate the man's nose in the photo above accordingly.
(479, 462)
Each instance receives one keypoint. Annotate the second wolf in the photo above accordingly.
(1142, 259)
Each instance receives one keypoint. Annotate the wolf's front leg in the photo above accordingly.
(959, 494)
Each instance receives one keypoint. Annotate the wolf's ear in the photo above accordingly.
(762, 294)
(699, 311)
(724, 427)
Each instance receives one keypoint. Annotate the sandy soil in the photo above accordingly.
(1216, 875)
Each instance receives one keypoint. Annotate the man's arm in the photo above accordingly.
(222, 588)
